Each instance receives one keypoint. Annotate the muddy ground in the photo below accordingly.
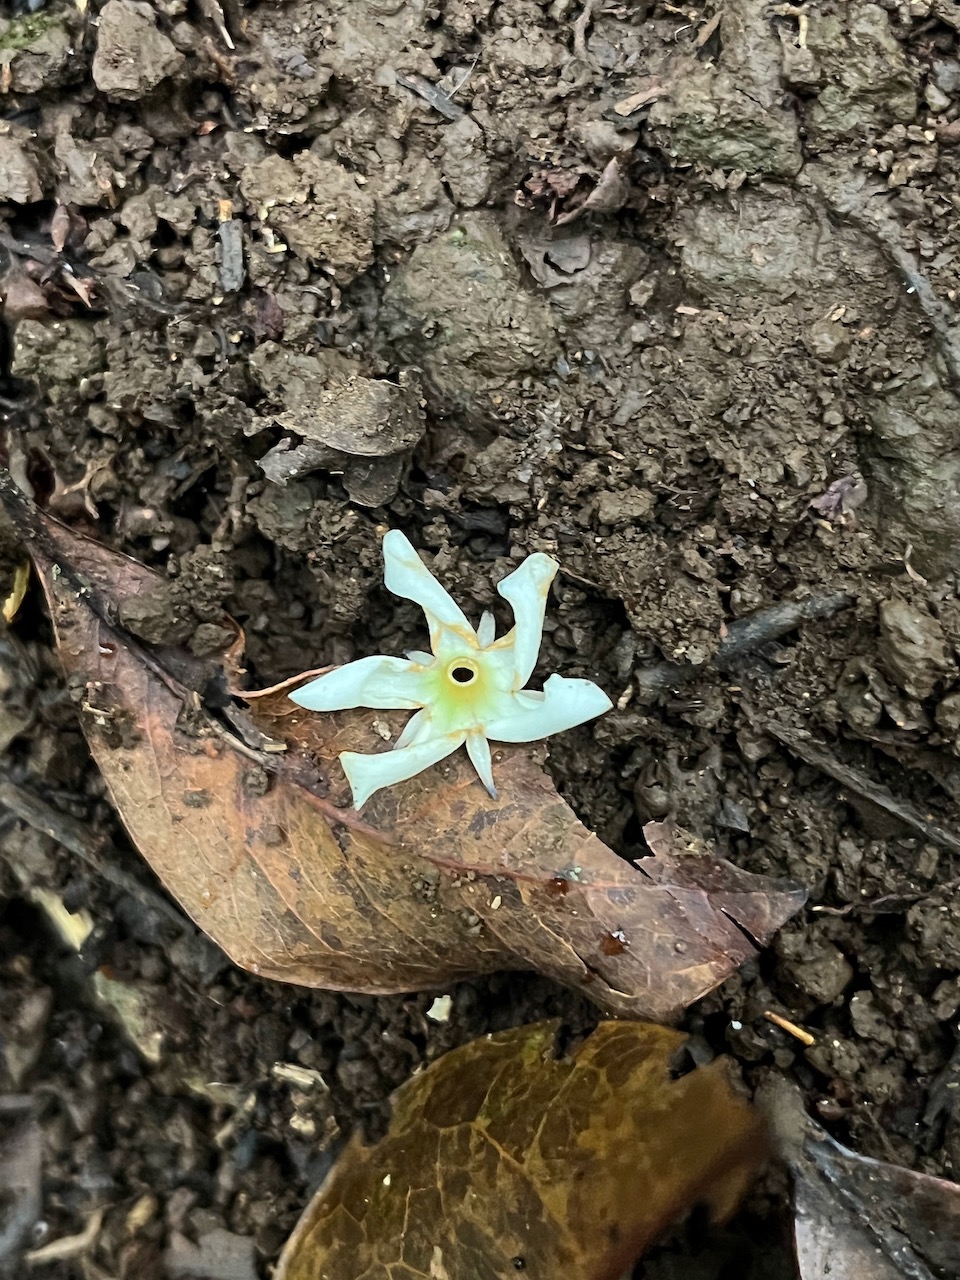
(668, 292)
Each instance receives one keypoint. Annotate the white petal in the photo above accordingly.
(405, 574)
(487, 630)
(478, 749)
(416, 728)
(375, 682)
(526, 590)
(367, 774)
(564, 703)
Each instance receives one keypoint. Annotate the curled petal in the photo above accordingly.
(564, 703)
(416, 729)
(380, 683)
(405, 574)
(526, 591)
(478, 749)
(367, 774)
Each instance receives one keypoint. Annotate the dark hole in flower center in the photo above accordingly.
(462, 675)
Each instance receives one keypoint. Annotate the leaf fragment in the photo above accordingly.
(863, 1219)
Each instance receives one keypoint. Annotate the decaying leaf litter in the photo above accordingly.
(583, 1174)
(739, 337)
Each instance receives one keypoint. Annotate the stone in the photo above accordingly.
(132, 55)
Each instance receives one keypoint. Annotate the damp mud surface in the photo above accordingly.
(671, 294)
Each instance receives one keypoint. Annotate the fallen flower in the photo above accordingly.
(468, 690)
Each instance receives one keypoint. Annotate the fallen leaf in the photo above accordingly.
(67, 228)
(83, 286)
(863, 1219)
(438, 882)
(707, 30)
(506, 1157)
(554, 182)
(60, 226)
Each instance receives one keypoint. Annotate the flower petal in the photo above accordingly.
(377, 682)
(405, 574)
(526, 591)
(487, 630)
(478, 749)
(415, 730)
(367, 774)
(564, 703)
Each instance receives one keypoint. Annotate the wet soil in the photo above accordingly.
(669, 293)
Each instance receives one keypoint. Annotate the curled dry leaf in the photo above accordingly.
(437, 882)
(504, 1156)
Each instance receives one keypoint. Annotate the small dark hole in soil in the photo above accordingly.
(462, 675)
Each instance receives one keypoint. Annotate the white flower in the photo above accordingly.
(468, 690)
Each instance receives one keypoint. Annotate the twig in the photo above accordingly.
(791, 1028)
(742, 636)
(860, 784)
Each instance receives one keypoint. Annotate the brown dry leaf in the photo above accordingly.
(437, 882)
(503, 1157)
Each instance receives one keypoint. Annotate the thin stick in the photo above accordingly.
(791, 1028)
(249, 694)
